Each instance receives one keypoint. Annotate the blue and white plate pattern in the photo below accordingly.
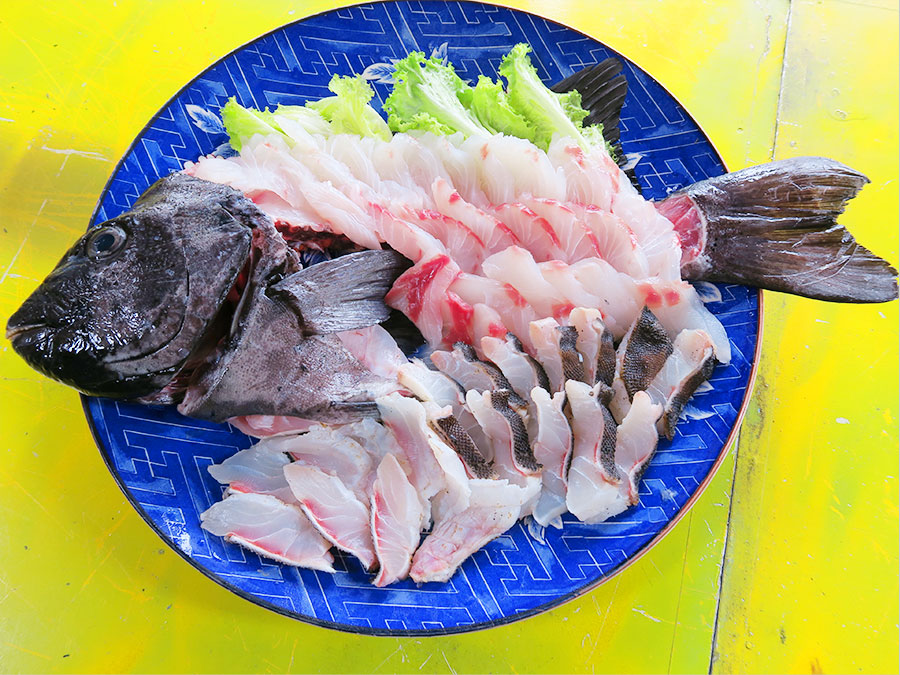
(160, 458)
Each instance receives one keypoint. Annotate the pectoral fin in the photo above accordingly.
(344, 293)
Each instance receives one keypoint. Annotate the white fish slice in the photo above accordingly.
(495, 507)
(335, 511)
(553, 449)
(257, 470)
(269, 527)
(397, 518)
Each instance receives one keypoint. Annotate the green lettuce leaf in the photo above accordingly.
(349, 111)
(426, 96)
(550, 113)
(241, 123)
(490, 104)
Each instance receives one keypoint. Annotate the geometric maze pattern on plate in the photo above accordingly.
(160, 457)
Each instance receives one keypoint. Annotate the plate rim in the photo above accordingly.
(504, 620)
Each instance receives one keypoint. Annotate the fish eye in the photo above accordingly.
(105, 241)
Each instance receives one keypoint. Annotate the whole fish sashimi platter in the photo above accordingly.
(437, 324)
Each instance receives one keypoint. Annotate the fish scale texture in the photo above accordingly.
(160, 458)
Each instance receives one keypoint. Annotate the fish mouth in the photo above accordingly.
(15, 332)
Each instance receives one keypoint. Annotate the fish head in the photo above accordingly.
(135, 295)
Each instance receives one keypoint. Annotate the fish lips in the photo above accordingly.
(73, 360)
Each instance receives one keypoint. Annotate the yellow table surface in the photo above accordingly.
(787, 563)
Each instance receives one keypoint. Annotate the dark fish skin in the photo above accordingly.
(268, 365)
(774, 226)
(677, 402)
(646, 351)
(128, 303)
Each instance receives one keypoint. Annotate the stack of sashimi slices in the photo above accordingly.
(564, 341)
(467, 448)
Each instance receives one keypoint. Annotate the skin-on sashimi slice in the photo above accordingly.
(576, 238)
(463, 365)
(513, 455)
(678, 307)
(269, 527)
(521, 371)
(690, 364)
(553, 449)
(420, 293)
(595, 483)
(516, 266)
(636, 440)
(495, 507)
(255, 470)
(595, 344)
(545, 338)
(433, 385)
(335, 511)
(457, 437)
(502, 297)
(398, 516)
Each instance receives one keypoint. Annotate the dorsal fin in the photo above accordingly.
(603, 89)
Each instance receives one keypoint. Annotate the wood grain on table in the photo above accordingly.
(786, 563)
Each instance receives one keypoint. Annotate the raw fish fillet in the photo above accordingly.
(495, 506)
(595, 486)
(336, 512)
(553, 449)
(636, 440)
(269, 527)
(398, 516)
(258, 470)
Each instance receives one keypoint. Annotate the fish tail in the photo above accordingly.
(774, 226)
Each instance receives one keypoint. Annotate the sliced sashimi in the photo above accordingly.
(326, 449)
(458, 438)
(495, 507)
(513, 456)
(257, 470)
(516, 266)
(407, 419)
(620, 299)
(592, 177)
(595, 344)
(522, 371)
(420, 292)
(376, 349)
(595, 483)
(269, 527)
(545, 338)
(500, 296)
(636, 440)
(263, 426)
(616, 241)
(654, 233)
(678, 307)
(576, 238)
(492, 232)
(335, 511)
(398, 516)
(553, 449)
(690, 364)
(535, 232)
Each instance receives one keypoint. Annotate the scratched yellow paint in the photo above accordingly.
(811, 573)
(84, 583)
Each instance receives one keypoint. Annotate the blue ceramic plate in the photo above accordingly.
(160, 458)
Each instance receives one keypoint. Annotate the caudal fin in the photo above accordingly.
(774, 226)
